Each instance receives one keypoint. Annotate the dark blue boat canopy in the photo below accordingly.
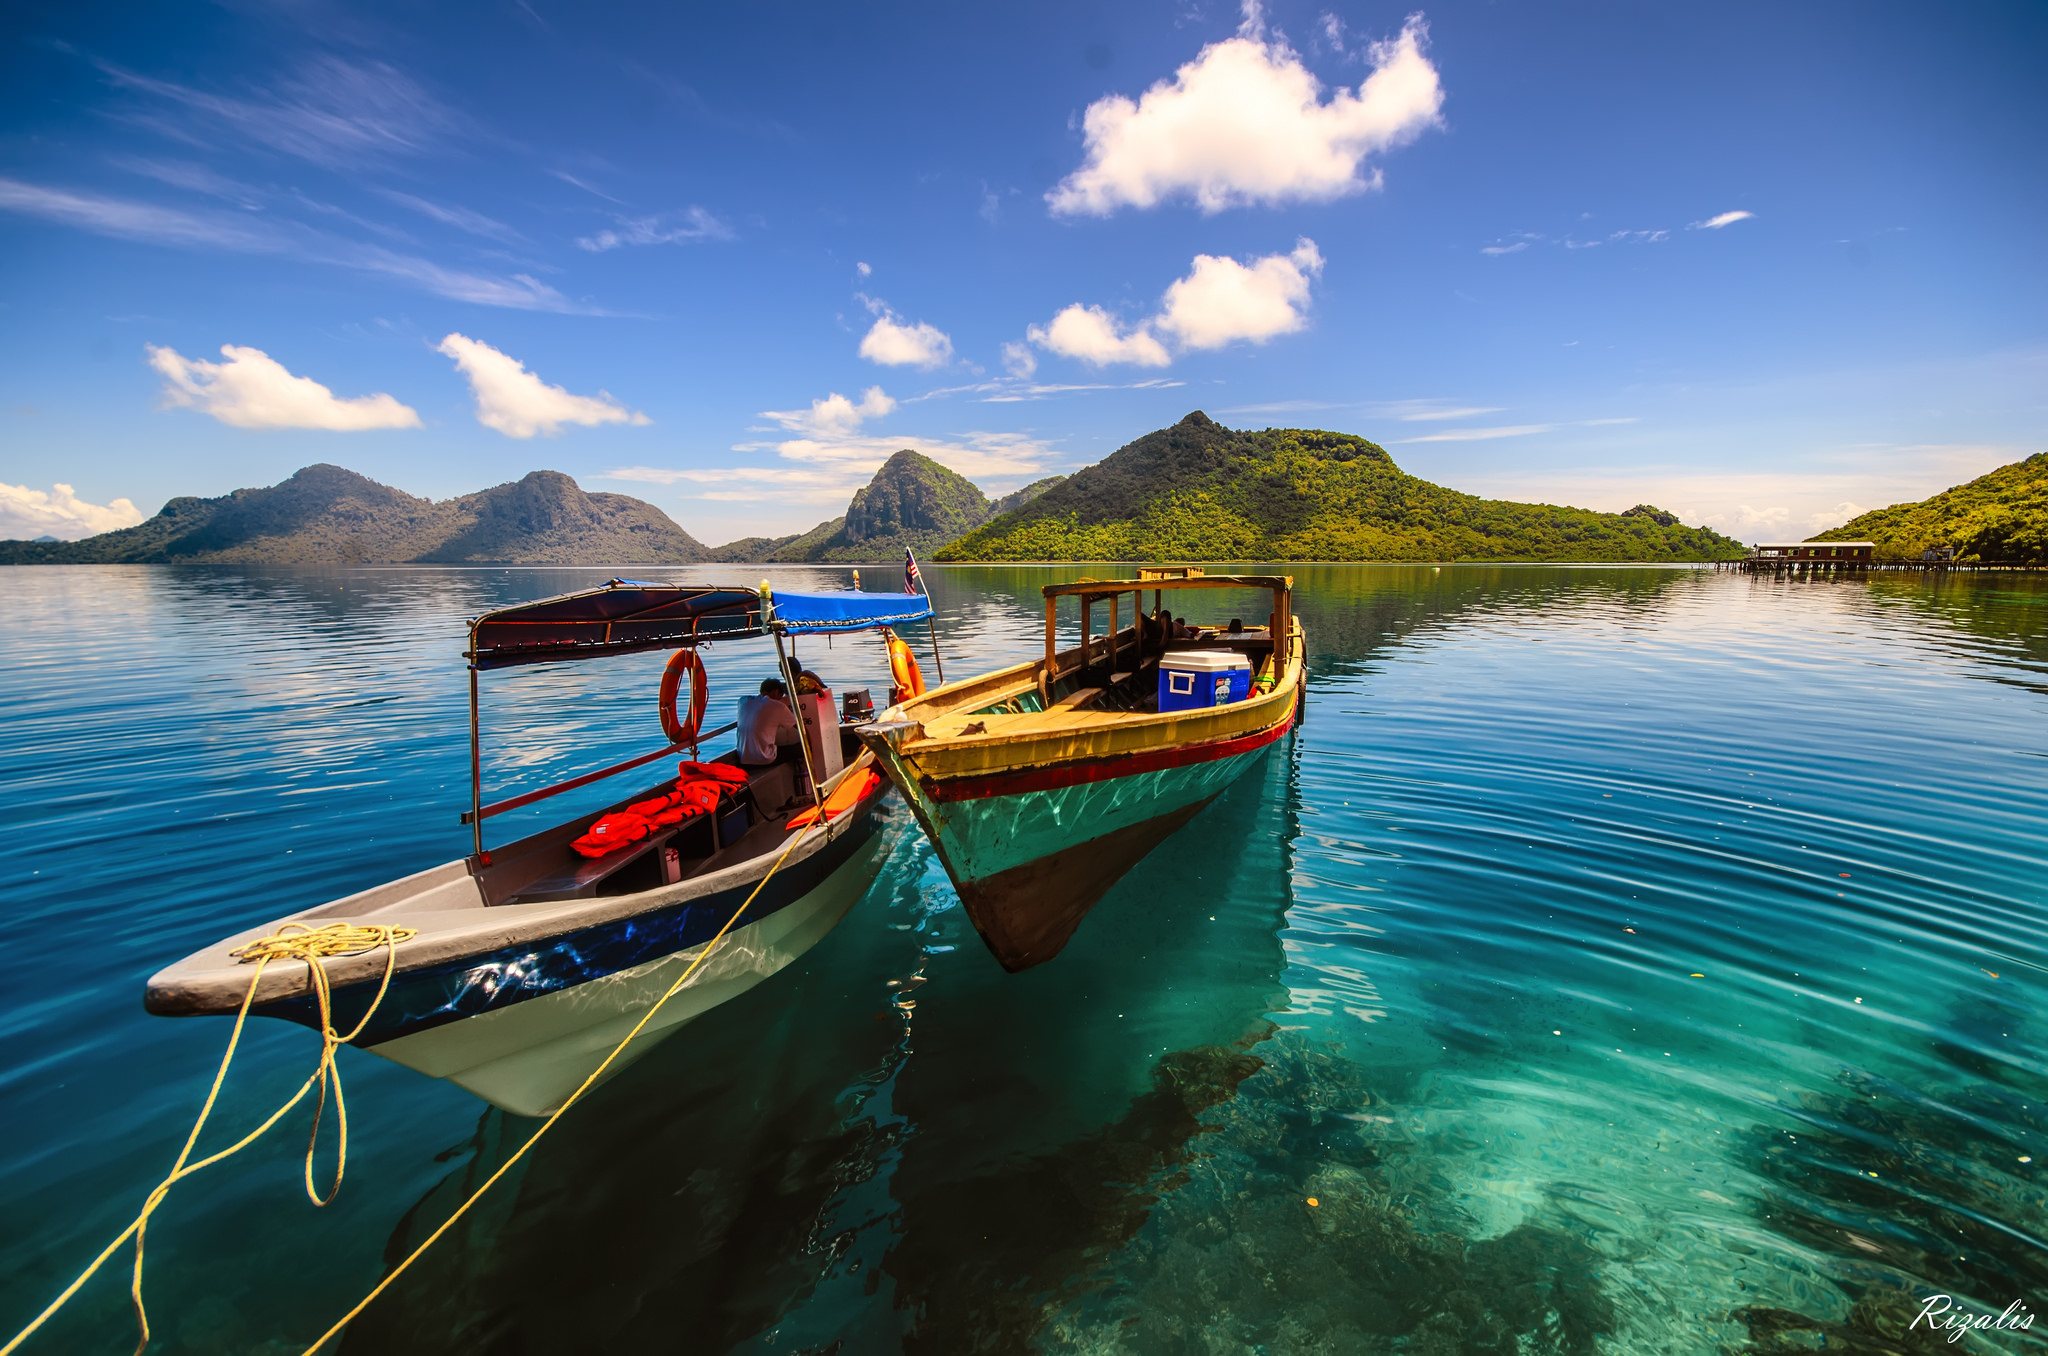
(629, 615)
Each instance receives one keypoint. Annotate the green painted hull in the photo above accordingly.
(1030, 864)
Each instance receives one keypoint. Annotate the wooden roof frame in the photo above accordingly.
(1281, 586)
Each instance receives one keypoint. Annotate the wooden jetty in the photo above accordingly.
(1845, 557)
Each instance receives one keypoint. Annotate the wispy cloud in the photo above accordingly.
(193, 178)
(1479, 435)
(331, 111)
(461, 218)
(693, 225)
(247, 233)
(587, 187)
(1431, 411)
(1715, 223)
(1013, 390)
(131, 220)
(1286, 407)
(1518, 241)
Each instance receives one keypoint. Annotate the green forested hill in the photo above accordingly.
(2000, 518)
(1199, 491)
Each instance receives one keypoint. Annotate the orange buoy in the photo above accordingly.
(683, 661)
(903, 668)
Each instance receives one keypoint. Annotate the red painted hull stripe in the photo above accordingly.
(1059, 775)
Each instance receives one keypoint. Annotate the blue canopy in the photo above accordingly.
(625, 616)
(812, 613)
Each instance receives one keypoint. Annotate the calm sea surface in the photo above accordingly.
(1621, 959)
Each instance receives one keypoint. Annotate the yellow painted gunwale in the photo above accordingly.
(943, 750)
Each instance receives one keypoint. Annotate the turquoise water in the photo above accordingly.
(1623, 959)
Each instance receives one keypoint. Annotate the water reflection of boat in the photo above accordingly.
(530, 961)
(825, 1161)
(1041, 784)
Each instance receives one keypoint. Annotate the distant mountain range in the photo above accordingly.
(2000, 517)
(912, 503)
(325, 515)
(1200, 491)
(1195, 491)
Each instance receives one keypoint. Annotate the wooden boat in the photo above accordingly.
(530, 962)
(1041, 784)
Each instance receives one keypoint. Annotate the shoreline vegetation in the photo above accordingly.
(1195, 492)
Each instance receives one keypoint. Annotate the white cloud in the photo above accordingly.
(864, 268)
(1018, 359)
(687, 227)
(519, 404)
(1095, 336)
(1246, 122)
(1822, 519)
(893, 342)
(835, 413)
(1724, 219)
(253, 390)
(27, 513)
(1515, 248)
(1222, 301)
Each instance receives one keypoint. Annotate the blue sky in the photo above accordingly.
(1762, 264)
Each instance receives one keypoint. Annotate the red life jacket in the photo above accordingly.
(611, 833)
(723, 772)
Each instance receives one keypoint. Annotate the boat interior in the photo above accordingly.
(1121, 673)
(752, 819)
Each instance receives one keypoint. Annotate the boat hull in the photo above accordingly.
(528, 1058)
(519, 1003)
(1031, 852)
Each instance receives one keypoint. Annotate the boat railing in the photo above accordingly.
(530, 797)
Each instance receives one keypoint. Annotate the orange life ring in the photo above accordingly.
(683, 661)
(903, 668)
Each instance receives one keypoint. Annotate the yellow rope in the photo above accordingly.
(294, 941)
(548, 1124)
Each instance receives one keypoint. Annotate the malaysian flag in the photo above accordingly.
(912, 581)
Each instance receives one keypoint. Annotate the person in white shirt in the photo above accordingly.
(767, 727)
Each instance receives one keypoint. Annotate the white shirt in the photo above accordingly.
(762, 723)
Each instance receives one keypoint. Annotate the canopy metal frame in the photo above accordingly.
(633, 617)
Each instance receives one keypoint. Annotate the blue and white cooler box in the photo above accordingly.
(1192, 679)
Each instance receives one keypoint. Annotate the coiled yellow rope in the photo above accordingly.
(300, 941)
(293, 941)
